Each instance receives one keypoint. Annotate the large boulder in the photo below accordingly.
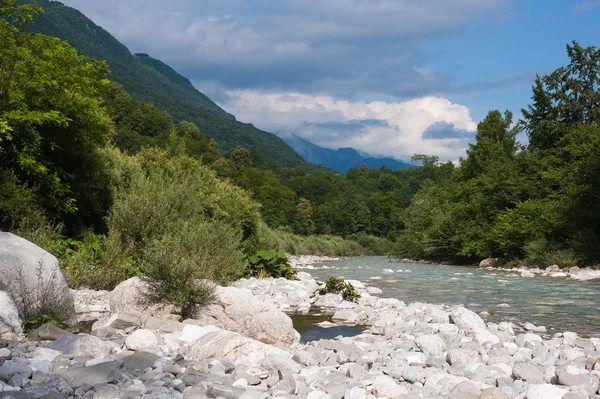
(26, 269)
(130, 296)
(240, 350)
(10, 322)
(240, 311)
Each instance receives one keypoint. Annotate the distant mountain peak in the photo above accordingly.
(341, 159)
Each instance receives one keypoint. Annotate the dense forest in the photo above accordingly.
(116, 185)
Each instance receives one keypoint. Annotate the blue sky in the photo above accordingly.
(377, 75)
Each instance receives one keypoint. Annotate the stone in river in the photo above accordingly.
(532, 327)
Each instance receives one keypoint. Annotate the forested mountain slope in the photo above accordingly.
(151, 80)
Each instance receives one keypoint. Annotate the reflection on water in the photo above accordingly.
(307, 326)
(557, 303)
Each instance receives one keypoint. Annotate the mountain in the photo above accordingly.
(341, 159)
(151, 80)
(391, 163)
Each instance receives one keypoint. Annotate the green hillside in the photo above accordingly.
(151, 80)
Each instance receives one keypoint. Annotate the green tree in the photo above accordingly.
(565, 98)
(303, 222)
(51, 116)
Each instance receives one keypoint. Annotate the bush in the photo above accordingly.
(48, 303)
(99, 262)
(335, 285)
(284, 240)
(178, 264)
(156, 192)
(270, 264)
(17, 203)
(542, 253)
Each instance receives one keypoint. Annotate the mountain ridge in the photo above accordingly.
(149, 79)
(341, 159)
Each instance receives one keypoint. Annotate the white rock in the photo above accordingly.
(303, 276)
(44, 354)
(527, 274)
(483, 335)
(90, 305)
(532, 327)
(466, 319)
(26, 268)
(129, 296)
(191, 333)
(545, 391)
(559, 274)
(431, 345)
(374, 290)
(10, 322)
(240, 311)
(240, 350)
(584, 275)
(522, 339)
(386, 387)
(142, 339)
(387, 271)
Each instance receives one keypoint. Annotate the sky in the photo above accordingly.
(388, 77)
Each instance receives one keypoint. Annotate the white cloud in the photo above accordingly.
(395, 128)
(337, 47)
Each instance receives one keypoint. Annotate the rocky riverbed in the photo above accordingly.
(244, 347)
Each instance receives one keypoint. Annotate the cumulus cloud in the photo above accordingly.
(343, 48)
(430, 125)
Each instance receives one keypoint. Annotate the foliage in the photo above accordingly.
(542, 253)
(51, 121)
(335, 285)
(179, 263)
(154, 192)
(47, 302)
(98, 262)
(270, 264)
(37, 321)
(285, 240)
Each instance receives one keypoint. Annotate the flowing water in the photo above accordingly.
(557, 303)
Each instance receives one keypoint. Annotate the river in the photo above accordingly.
(560, 304)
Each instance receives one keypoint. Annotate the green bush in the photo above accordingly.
(155, 191)
(284, 240)
(542, 253)
(178, 265)
(270, 264)
(335, 285)
(98, 262)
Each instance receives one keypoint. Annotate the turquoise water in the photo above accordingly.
(557, 303)
(307, 326)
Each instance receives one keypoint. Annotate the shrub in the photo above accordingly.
(48, 303)
(542, 253)
(98, 262)
(284, 240)
(157, 191)
(270, 264)
(178, 264)
(335, 285)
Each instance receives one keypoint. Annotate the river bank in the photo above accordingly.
(244, 347)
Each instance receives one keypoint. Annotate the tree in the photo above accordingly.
(51, 116)
(303, 222)
(567, 97)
